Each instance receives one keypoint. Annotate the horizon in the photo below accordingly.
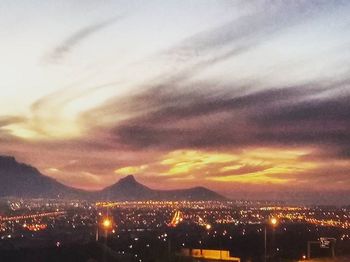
(248, 99)
(301, 200)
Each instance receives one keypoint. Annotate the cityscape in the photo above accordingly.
(175, 131)
(162, 230)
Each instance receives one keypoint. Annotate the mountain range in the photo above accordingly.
(24, 181)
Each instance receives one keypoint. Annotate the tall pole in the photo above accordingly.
(273, 222)
(265, 244)
(97, 233)
(273, 248)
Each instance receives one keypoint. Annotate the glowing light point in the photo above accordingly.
(273, 221)
(107, 223)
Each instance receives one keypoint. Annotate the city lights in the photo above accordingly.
(224, 221)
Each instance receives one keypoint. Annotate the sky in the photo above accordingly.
(248, 98)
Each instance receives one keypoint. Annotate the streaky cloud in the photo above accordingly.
(63, 49)
(280, 116)
(8, 120)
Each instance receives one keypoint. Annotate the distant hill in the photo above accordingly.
(22, 180)
(129, 189)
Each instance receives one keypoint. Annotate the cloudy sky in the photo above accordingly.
(249, 98)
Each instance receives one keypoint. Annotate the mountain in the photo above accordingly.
(129, 189)
(194, 194)
(22, 180)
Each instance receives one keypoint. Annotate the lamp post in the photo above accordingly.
(105, 224)
(204, 235)
(273, 222)
(207, 229)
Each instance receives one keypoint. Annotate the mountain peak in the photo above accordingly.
(128, 188)
(22, 180)
(130, 179)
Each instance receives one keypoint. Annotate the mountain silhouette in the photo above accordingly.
(21, 180)
(127, 188)
(25, 181)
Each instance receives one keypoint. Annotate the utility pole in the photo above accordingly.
(265, 244)
(97, 237)
(273, 222)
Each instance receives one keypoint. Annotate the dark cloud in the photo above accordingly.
(333, 109)
(281, 116)
(321, 121)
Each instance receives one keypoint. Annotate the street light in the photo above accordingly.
(207, 228)
(273, 222)
(106, 224)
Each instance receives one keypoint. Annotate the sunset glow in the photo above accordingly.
(234, 95)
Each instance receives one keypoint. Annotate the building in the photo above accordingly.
(209, 255)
